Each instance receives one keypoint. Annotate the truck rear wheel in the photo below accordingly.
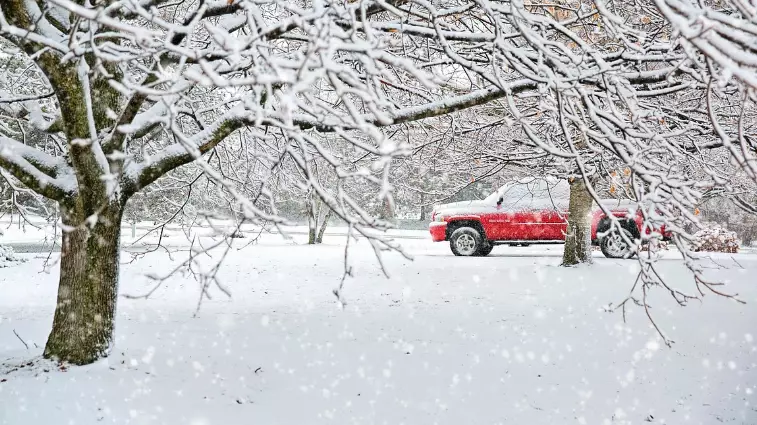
(465, 242)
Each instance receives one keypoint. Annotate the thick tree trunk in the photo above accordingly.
(85, 313)
(578, 237)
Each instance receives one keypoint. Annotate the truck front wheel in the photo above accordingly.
(614, 245)
(465, 242)
(486, 249)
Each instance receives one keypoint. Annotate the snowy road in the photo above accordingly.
(510, 338)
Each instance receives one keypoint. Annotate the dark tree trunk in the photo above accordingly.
(85, 313)
(314, 208)
(424, 207)
(387, 212)
(325, 223)
(578, 237)
(312, 219)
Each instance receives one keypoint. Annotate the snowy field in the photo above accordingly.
(38, 235)
(506, 339)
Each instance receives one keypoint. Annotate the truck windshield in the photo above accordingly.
(497, 193)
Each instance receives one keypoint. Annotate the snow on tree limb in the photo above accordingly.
(727, 35)
(42, 173)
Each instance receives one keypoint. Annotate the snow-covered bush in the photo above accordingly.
(715, 238)
(8, 257)
(727, 213)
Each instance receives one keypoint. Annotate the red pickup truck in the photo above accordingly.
(529, 211)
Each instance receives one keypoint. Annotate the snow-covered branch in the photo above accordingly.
(43, 173)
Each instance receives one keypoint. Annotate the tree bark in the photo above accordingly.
(319, 238)
(578, 237)
(424, 207)
(84, 316)
(387, 212)
(310, 207)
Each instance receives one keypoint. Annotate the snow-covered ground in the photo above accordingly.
(510, 339)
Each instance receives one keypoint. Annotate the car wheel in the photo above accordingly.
(465, 241)
(615, 246)
(485, 249)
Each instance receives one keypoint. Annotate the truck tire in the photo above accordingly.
(613, 245)
(486, 249)
(465, 242)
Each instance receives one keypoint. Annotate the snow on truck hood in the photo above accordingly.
(461, 204)
(465, 207)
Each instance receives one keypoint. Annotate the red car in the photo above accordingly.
(529, 211)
